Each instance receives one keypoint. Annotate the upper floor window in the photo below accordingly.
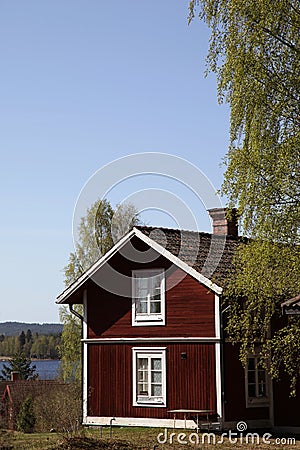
(148, 297)
(256, 383)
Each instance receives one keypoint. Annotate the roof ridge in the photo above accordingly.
(139, 227)
(200, 233)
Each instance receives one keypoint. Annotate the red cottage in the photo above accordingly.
(152, 339)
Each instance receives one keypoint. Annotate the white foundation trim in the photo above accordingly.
(190, 424)
(133, 340)
(140, 422)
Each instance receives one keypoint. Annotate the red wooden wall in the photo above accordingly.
(235, 402)
(189, 306)
(189, 313)
(190, 382)
(286, 408)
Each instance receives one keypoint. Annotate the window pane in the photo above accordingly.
(261, 375)
(156, 390)
(156, 377)
(141, 306)
(251, 363)
(262, 389)
(142, 363)
(156, 281)
(251, 376)
(141, 283)
(141, 292)
(156, 363)
(142, 389)
(142, 375)
(251, 390)
(155, 307)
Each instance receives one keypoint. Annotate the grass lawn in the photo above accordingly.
(135, 439)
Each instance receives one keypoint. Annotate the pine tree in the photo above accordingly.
(22, 340)
(28, 336)
(21, 364)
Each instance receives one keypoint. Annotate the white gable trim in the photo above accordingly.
(157, 247)
(90, 272)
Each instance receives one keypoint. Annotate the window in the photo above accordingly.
(148, 297)
(149, 376)
(256, 383)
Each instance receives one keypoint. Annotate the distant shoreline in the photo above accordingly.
(7, 358)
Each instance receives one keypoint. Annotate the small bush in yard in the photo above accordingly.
(26, 418)
(59, 408)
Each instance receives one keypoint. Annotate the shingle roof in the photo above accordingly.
(193, 248)
(20, 389)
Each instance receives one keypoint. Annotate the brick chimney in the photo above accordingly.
(14, 376)
(221, 224)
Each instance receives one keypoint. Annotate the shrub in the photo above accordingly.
(26, 418)
(59, 408)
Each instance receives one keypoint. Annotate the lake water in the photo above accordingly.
(46, 368)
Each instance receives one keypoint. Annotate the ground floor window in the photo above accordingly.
(149, 376)
(257, 390)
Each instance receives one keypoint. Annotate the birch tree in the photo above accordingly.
(98, 230)
(255, 54)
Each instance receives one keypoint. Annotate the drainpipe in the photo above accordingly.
(81, 318)
(72, 310)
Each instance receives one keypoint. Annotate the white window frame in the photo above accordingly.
(149, 352)
(254, 402)
(145, 319)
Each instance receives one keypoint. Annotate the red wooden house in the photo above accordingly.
(152, 340)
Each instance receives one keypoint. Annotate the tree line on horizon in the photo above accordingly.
(31, 345)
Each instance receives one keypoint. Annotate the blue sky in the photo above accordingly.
(84, 83)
